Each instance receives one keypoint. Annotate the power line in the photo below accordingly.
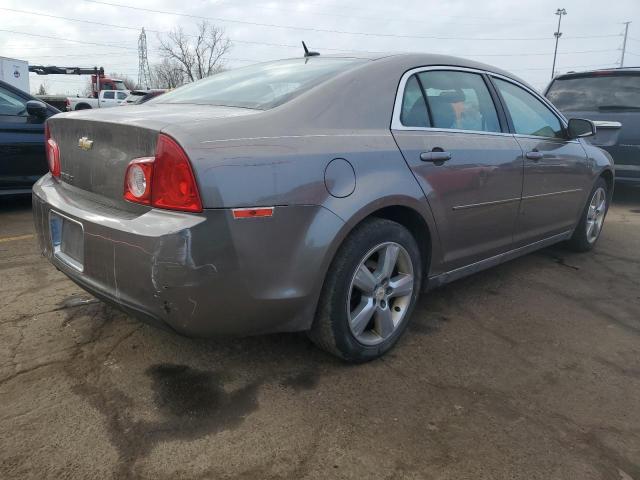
(394, 19)
(568, 66)
(283, 45)
(323, 30)
(542, 53)
(489, 19)
(137, 28)
(84, 42)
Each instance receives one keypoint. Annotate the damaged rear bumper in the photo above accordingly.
(198, 274)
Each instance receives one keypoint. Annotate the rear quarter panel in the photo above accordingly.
(290, 170)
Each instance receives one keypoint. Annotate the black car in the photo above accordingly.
(22, 150)
(611, 98)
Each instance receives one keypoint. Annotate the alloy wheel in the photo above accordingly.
(595, 214)
(380, 293)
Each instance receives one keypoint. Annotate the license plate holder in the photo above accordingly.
(67, 240)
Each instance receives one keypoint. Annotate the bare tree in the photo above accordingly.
(42, 89)
(197, 55)
(129, 83)
(167, 74)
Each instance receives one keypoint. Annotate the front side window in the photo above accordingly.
(260, 86)
(529, 115)
(122, 95)
(459, 100)
(12, 104)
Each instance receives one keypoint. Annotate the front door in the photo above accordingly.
(470, 169)
(556, 175)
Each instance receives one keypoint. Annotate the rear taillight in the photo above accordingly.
(163, 181)
(67, 102)
(52, 151)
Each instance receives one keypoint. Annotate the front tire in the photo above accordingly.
(591, 222)
(369, 293)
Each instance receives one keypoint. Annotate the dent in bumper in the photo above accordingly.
(199, 274)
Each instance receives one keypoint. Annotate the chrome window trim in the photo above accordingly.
(396, 124)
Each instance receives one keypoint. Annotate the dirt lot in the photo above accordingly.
(529, 371)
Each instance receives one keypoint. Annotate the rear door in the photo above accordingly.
(455, 141)
(556, 174)
(22, 154)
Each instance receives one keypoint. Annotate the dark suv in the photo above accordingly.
(611, 98)
(22, 152)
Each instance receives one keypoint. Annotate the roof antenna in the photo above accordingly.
(307, 53)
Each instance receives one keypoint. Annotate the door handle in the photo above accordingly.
(535, 155)
(435, 156)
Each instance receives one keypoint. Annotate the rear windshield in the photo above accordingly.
(260, 86)
(599, 92)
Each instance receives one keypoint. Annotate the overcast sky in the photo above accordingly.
(517, 36)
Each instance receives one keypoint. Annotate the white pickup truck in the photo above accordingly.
(107, 98)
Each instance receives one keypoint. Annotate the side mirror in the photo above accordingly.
(35, 108)
(579, 127)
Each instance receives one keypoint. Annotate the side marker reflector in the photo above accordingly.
(252, 212)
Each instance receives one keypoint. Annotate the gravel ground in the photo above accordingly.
(530, 370)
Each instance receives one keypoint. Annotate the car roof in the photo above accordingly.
(600, 71)
(404, 61)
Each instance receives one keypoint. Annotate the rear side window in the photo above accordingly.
(459, 100)
(108, 95)
(529, 115)
(455, 100)
(600, 92)
(414, 109)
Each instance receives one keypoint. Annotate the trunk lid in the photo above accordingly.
(96, 146)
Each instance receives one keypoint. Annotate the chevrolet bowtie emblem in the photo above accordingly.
(85, 144)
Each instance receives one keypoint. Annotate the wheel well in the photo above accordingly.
(412, 221)
(83, 106)
(608, 177)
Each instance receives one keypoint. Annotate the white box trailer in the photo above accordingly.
(15, 72)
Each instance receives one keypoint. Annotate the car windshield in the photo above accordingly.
(605, 91)
(261, 86)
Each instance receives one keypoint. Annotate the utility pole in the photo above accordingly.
(624, 43)
(560, 12)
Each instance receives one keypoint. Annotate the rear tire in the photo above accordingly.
(369, 292)
(586, 234)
